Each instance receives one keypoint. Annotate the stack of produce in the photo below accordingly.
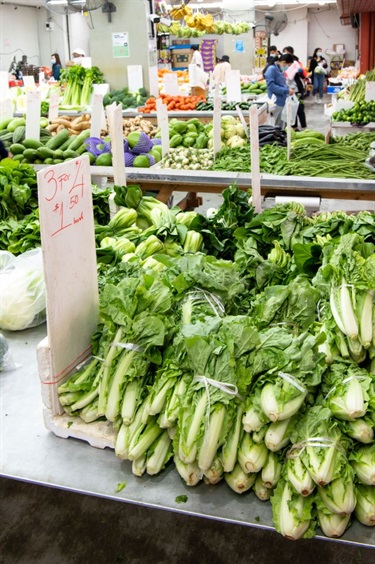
(74, 125)
(126, 98)
(13, 130)
(139, 150)
(251, 88)
(188, 159)
(357, 91)
(250, 361)
(208, 106)
(198, 25)
(173, 103)
(361, 113)
(79, 86)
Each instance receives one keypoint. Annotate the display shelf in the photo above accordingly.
(33, 454)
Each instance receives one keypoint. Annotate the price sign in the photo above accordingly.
(370, 91)
(114, 115)
(162, 117)
(233, 84)
(254, 149)
(217, 120)
(135, 77)
(96, 115)
(243, 121)
(53, 109)
(68, 245)
(28, 81)
(6, 109)
(171, 84)
(33, 101)
(288, 127)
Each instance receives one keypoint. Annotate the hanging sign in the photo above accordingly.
(120, 45)
(68, 245)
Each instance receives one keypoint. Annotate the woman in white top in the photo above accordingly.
(196, 58)
(221, 69)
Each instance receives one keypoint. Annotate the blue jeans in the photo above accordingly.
(318, 84)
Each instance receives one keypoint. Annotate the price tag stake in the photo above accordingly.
(255, 168)
(162, 117)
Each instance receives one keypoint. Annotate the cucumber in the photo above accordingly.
(65, 145)
(76, 143)
(38, 161)
(48, 161)
(18, 157)
(82, 149)
(4, 124)
(45, 153)
(17, 149)
(58, 154)
(19, 134)
(30, 155)
(57, 161)
(15, 122)
(32, 144)
(69, 154)
(90, 156)
(56, 142)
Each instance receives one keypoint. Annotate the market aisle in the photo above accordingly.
(47, 526)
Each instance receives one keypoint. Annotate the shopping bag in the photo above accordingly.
(294, 102)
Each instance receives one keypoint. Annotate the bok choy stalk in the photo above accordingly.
(292, 513)
(362, 460)
(332, 524)
(279, 434)
(159, 454)
(361, 430)
(345, 387)
(260, 489)
(271, 471)
(320, 445)
(238, 480)
(339, 495)
(190, 473)
(215, 473)
(299, 477)
(252, 456)
(365, 508)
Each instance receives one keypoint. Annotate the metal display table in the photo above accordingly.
(31, 453)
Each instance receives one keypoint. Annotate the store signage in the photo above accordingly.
(370, 91)
(254, 155)
(135, 77)
(33, 101)
(217, 120)
(53, 109)
(240, 46)
(162, 117)
(120, 45)
(68, 245)
(233, 84)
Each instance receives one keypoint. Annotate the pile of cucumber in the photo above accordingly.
(55, 150)
(13, 131)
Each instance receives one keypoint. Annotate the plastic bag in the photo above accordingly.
(22, 291)
(294, 103)
(6, 360)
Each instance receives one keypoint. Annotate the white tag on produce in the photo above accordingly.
(68, 244)
(254, 149)
(114, 115)
(96, 115)
(53, 109)
(233, 84)
(33, 102)
(162, 117)
(217, 121)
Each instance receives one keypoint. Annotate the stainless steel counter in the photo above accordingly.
(31, 453)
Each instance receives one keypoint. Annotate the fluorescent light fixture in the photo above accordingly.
(57, 2)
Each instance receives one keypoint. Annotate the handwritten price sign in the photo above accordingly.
(68, 244)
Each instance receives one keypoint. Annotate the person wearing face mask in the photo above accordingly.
(273, 53)
(318, 70)
(56, 66)
(76, 58)
(276, 84)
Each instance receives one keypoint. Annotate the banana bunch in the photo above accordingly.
(200, 22)
(180, 12)
(172, 30)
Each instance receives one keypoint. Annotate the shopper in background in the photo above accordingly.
(56, 66)
(76, 57)
(221, 69)
(276, 84)
(273, 53)
(3, 152)
(196, 57)
(298, 86)
(318, 70)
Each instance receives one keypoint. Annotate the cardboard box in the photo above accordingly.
(339, 48)
(348, 63)
(181, 42)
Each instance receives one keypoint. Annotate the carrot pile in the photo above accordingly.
(173, 103)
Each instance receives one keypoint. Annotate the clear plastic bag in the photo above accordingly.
(6, 360)
(22, 291)
(294, 103)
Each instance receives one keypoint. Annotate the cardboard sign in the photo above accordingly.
(28, 81)
(162, 117)
(114, 115)
(217, 121)
(33, 114)
(6, 109)
(68, 245)
(171, 84)
(96, 115)
(233, 84)
(370, 91)
(135, 77)
(53, 110)
(254, 155)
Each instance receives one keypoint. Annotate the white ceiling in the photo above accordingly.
(24, 2)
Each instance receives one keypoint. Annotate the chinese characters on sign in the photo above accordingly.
(120, 44)
(260, 43)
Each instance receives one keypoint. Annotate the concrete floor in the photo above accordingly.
(48, 526)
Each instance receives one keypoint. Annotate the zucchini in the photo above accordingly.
(56, 142)
(16, 149)
(19, 134)
(76, 143)
(14, 123)
(30, 155)
(32, 144)
(65, 145)
(69, 154)
(4, 124)
(45, 153)
(17, 157)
